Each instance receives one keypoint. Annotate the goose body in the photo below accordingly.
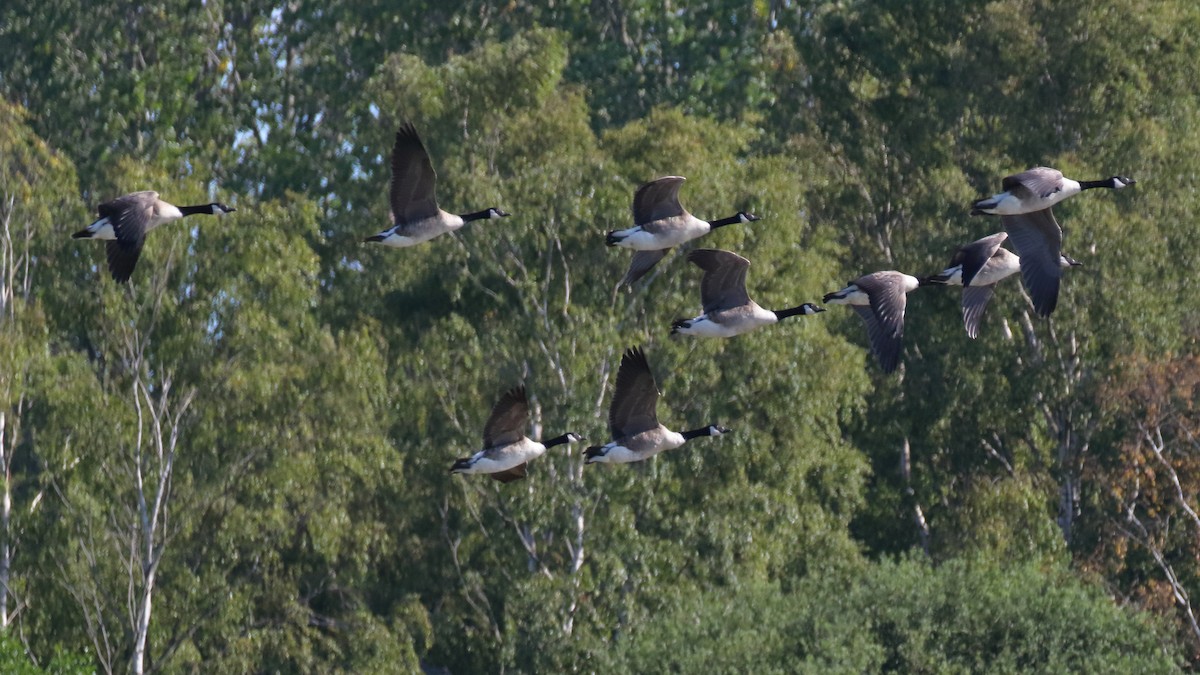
(637, 434)
(660, 224)
(979, 263)
(1000, 266)
(506, 449)
(501, 458)
(421, 231)
(728, 309)
(879, 300)
(638, 447)
(125, 221)
(661, 234)
(978, 267)
(1039, 188)
(725, 323)
(416, 216)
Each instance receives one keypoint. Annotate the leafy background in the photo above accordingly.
(291, 398)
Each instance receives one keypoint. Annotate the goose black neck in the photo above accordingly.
(714, 224)
(478, 215)
(200, 208)
(791, 311)
(696, 433)
(1091, 184)
(557, 440)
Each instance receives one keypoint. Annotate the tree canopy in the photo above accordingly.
(237, 462)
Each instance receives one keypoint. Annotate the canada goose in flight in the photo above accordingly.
(978, 267)
(1039, 188)
(660, 223)
(633, 418)
(728, 310)
(879, 298)
(415, 214)
(506, 449)
(124, 222)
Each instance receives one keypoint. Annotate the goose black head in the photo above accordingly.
(1119, 182)
(495, 213)
(220, 209)
(744, 217)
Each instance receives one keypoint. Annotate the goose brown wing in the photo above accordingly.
(657, 199)
(888, 299)
(884, 343)
(122, 258)
(414, 182)
(1040, 181)
(975, 255)
(634, 405)
(130, 217)
(1038, 240)
(643, 262)
(724, 282)
(974, 300)
(508, 420)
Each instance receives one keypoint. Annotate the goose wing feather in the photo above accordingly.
(508, 420)
(1038, 240)
(657, 200)
(414, 182)
(724, 282)
(635, 403)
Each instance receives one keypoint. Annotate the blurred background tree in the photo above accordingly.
(994, 505)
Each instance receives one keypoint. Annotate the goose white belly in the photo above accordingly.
(702, 326)
(729, 322)
(615, 453)
(660, 234)
(503, 458)
(421, 231)
(642, 446)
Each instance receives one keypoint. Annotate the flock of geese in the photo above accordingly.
(660, 224)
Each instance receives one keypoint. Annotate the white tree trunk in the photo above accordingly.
(143, 623)
(5, 520)
(8, 432)
(164, 426)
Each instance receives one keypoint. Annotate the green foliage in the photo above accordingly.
(311, 523)
(902, 617)
(14, 661)
(120, 79)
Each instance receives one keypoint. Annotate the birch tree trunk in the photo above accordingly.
(10, 388)
(153, 467)
(5, 519)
